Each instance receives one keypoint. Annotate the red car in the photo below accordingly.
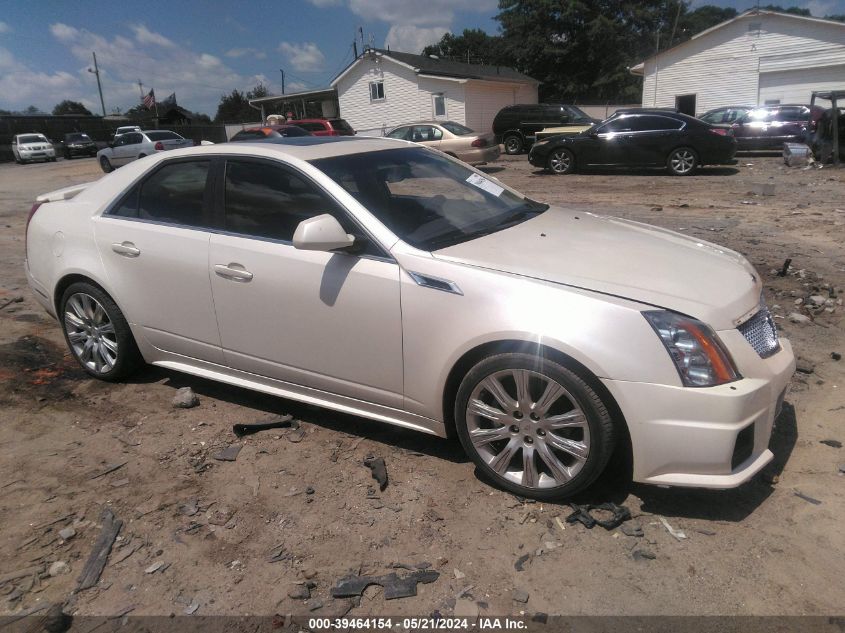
(268, 131)
(325, 127)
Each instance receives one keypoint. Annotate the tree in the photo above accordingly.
(235, 108)
(70, 107)
(32, 110)
(582, 50)
(473, 46)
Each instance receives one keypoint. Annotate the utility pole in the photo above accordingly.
(96, 71)
(283, 80)
(141, 89)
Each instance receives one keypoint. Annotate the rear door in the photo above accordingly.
(154, 245)
(650, 140)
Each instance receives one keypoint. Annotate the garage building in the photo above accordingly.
(758, 58)
(382, 89)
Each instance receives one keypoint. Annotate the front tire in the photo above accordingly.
(105, 164)
(561, 161)
(682, 161)
(533, 426)
(513, 144)
(97, 333)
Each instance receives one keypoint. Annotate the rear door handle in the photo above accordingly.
(127, 249)
(233, 271)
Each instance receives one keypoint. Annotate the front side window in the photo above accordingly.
(621, 124)
(376, 90)
(266, 201)
(174, 194)
(439, 105)
(429, 201)
(423, 133)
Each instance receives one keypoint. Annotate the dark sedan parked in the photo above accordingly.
(78, 144)
(769, 127)
(647, 138)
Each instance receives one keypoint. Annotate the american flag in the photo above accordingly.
(150, 100)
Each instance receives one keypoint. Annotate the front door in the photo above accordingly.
(608, 146)
(154, 247)
(126, 148)
(330, 321)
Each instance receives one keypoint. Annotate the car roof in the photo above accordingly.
(301, 147)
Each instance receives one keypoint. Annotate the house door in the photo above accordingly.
(685, 104)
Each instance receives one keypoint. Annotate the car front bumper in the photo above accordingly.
(41, 154)
(714, 437)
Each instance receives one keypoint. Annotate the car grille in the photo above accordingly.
(760, 331)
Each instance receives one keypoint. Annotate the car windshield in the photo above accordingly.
(457, 129)
(429, 201)
(293, 130)
(32, 138)
(75, 138)
(164, 136)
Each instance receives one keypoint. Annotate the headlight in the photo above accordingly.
(699, 356)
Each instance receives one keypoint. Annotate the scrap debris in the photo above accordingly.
(394, 585)
(807, 498)
(228, 454)
(108, 469)
(102, 547)
(284, 421)
(379, 470)
(582, 515)
(678, 534)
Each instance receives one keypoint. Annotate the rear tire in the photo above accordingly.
(513, 144)
(682, 161)
(97, 333)
(105, 164)
(533, 426)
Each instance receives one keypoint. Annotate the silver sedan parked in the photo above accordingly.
(380, 278)
(134, 145)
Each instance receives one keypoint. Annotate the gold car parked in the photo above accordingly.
(450, 138)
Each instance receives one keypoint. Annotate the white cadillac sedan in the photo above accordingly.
(385, 279)
(133, 145)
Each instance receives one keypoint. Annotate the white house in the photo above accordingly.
(757, 58)
(382, 89)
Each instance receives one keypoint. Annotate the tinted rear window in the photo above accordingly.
(163, 136)
(294, 130)
(340, 124)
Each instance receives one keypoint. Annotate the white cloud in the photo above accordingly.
(4, 28)
(821, 8)
(434, 13)
(198, 78)
(145, 36)
(413, 39)
(303, 57)
(243, 52)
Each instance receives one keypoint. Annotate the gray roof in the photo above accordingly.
(446, 68)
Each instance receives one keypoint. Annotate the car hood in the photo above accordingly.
(37, 145)
(621, 258)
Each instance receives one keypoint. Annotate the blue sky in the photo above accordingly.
(200, 50)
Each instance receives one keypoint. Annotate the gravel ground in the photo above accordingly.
(304, 495)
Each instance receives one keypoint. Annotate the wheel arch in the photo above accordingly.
(475, 354)
(71, 278)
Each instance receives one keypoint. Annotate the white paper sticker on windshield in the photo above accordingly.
(482, 183)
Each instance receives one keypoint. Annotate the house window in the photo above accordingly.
(376, 91)
(439, 103)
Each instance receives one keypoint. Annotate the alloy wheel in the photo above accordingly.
(528, 428)
(91, 333)
(682, 161)
(560, 162)
(513, 145)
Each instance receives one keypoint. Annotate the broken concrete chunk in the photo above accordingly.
(643, 554)
(796, 317)
(185, 398)
(228, 454)
(519, 595)
(59, 568)
(632, 529)
(67, 533)
(154, 567)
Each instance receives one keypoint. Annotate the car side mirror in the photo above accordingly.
(321, 233)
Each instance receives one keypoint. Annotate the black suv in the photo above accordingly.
(78, 144)
(516, 125)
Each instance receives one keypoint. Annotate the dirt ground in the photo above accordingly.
(760, 549)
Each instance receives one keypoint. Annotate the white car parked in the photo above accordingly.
(384, 279)
(32, 147)
(134, 145)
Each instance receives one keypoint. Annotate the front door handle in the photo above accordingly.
(233, 271)
(127, 249)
